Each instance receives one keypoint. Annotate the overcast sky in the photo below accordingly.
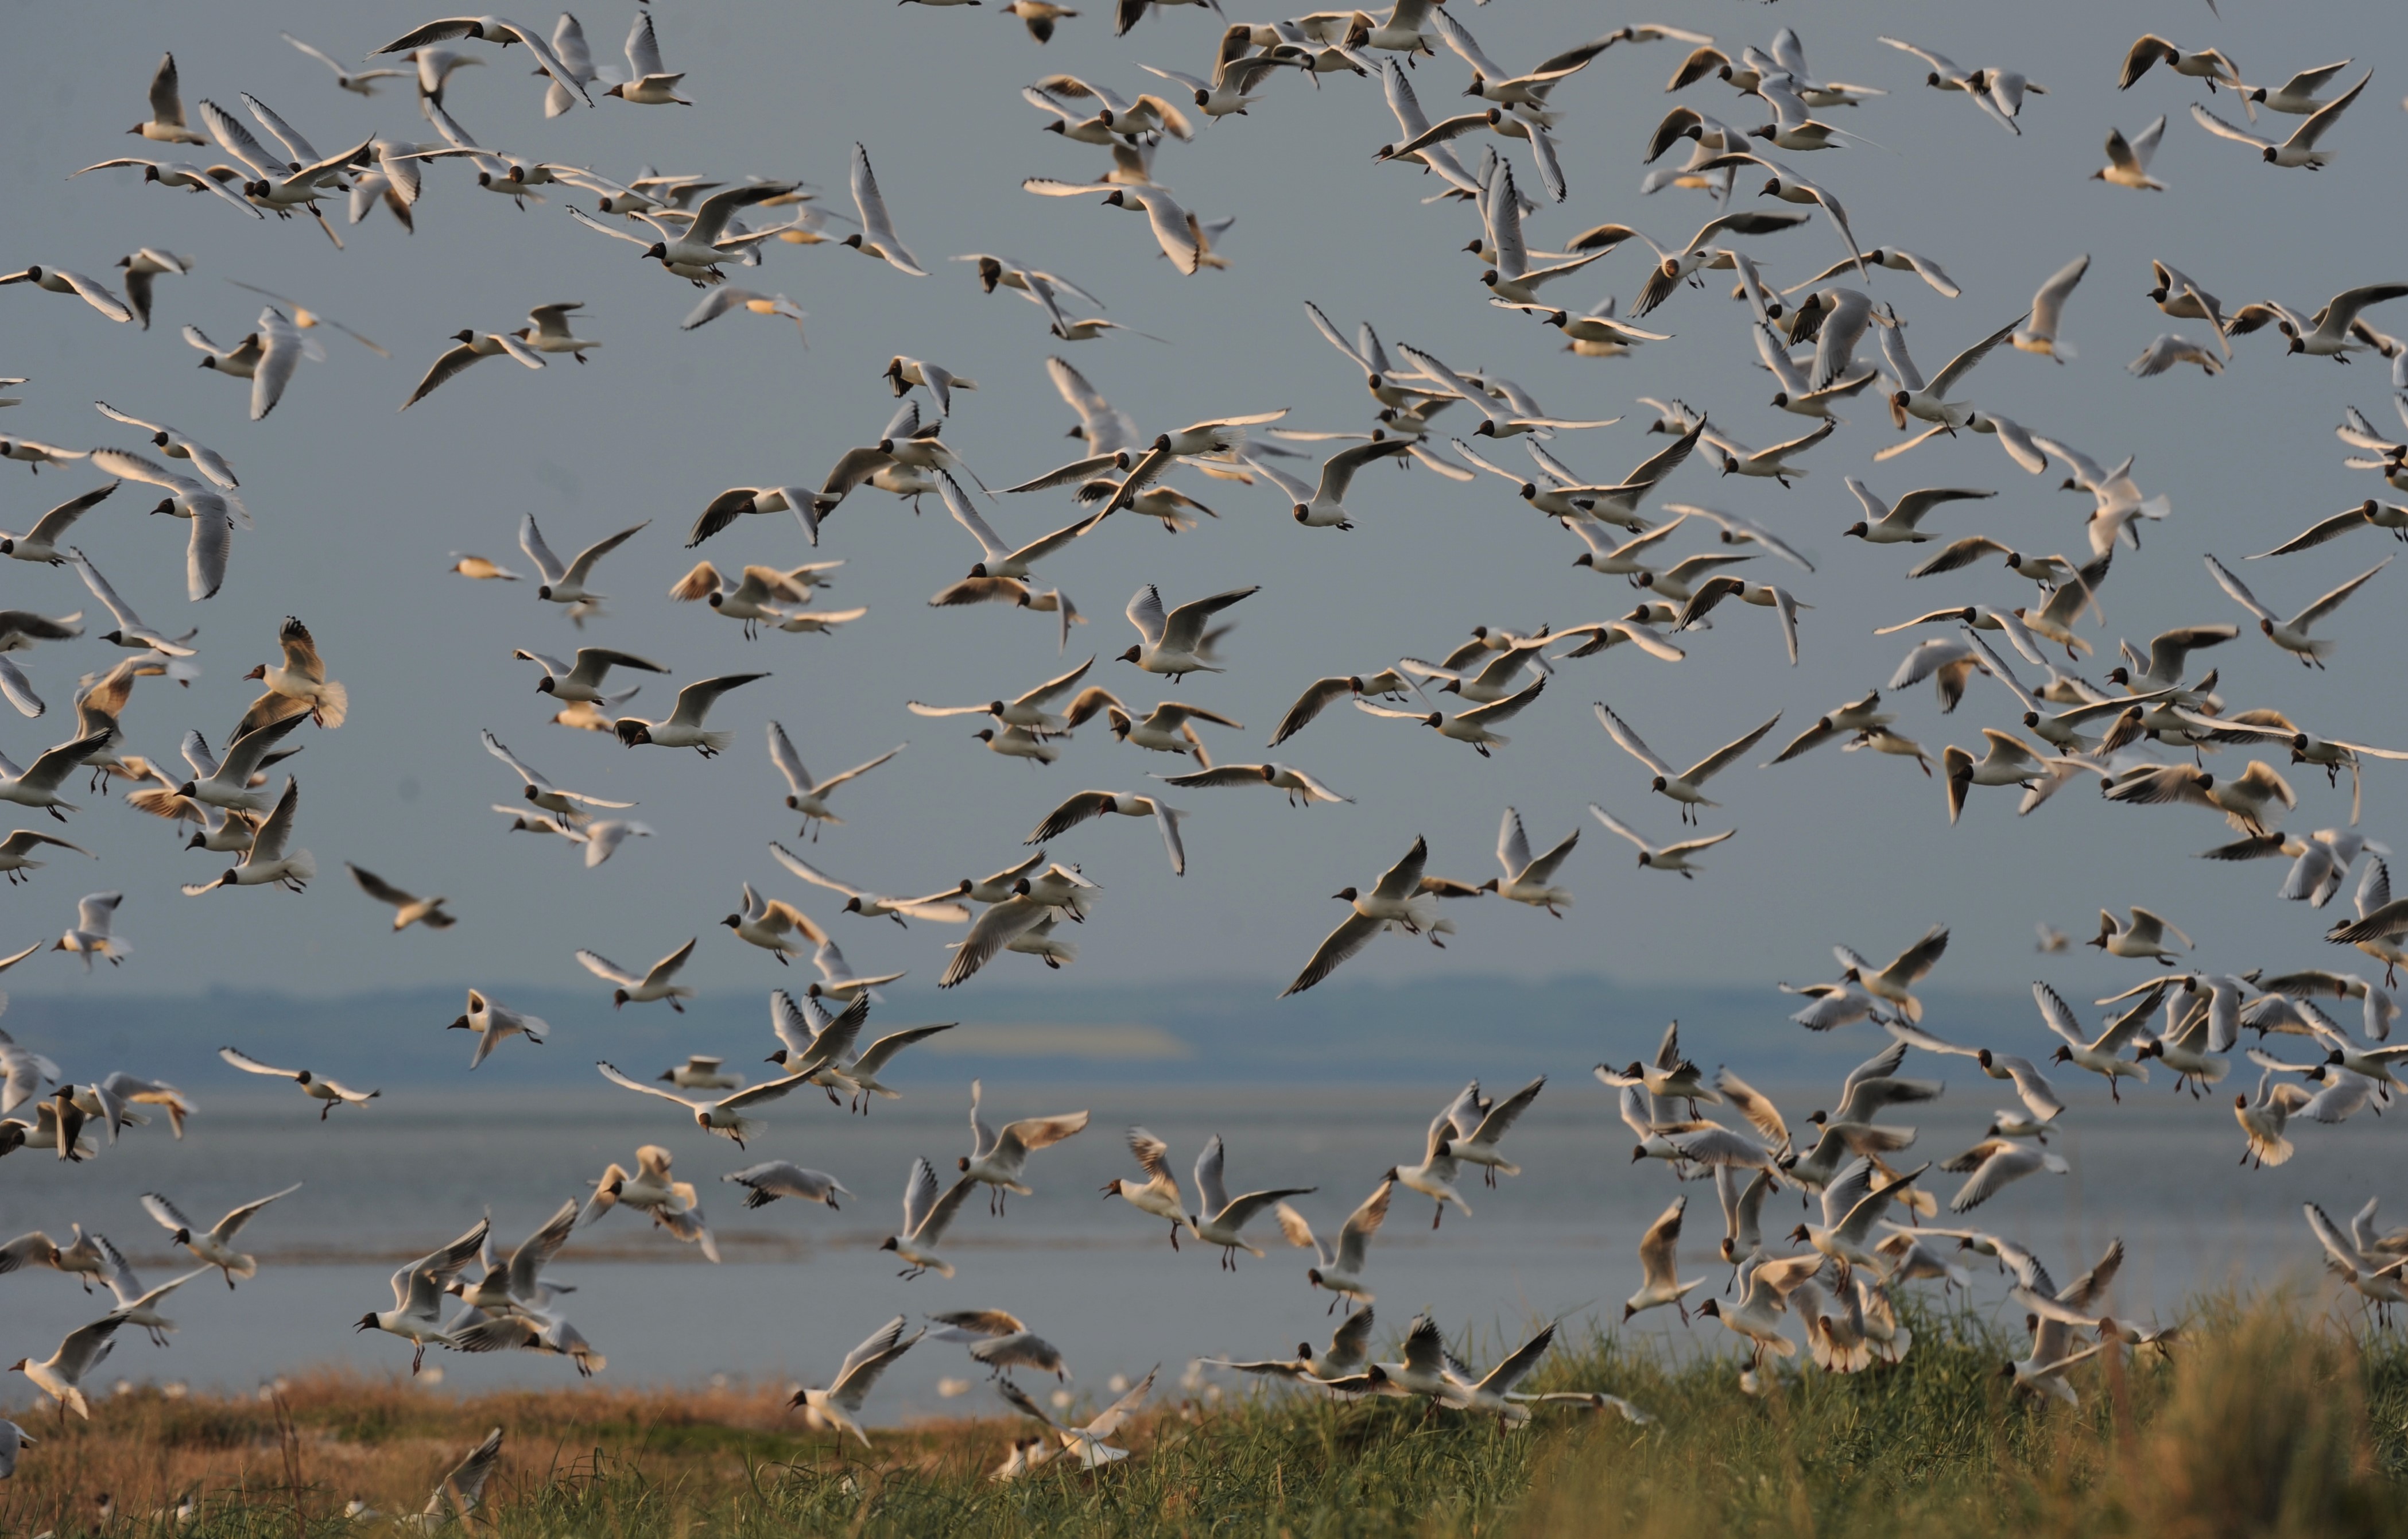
(358, 508)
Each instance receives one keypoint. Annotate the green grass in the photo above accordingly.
(2265, 1420)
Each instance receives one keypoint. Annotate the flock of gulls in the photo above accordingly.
(2143, 731)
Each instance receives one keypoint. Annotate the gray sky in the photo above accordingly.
(357, 508)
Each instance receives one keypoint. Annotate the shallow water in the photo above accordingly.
(800, 1285)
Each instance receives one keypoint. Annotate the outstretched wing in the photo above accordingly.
(615, 1077)
(249, 1065)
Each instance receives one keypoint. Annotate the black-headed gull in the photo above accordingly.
(317, 1087)
(565, 583)
(683, 728)
(997, 1157)
(723, 1115)
(926, 1215)
(833, 1409)
(1221, 1220)
(1159, 1195)
(492, 1021)
(61, 1375)
(658, 981)
(214, 1245)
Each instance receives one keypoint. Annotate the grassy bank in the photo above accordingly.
(2265, 1420)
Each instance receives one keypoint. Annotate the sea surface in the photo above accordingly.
(800, 1285)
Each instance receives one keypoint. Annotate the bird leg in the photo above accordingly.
(1438, 1211)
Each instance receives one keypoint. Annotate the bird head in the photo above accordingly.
(166, 504)
(1112, 1187)
(1133, 653)
(659, 250)
(186, 789)
(2063, 1055)
(733, 921)
(985, 734)
(630, 732)
(1712, 1309)
(888, 1244)
(1660, 784)
(1780, 398)
(1647, 858)
(460, 1024)
(1436, 718)
(1730, 464)
(197, 841)
(1800, 1235)
(1301, 513)
(964, 1162)
(1391, 1175)
(367, 1322)
(618, 997)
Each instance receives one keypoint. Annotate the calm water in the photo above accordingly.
(801, 1284)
